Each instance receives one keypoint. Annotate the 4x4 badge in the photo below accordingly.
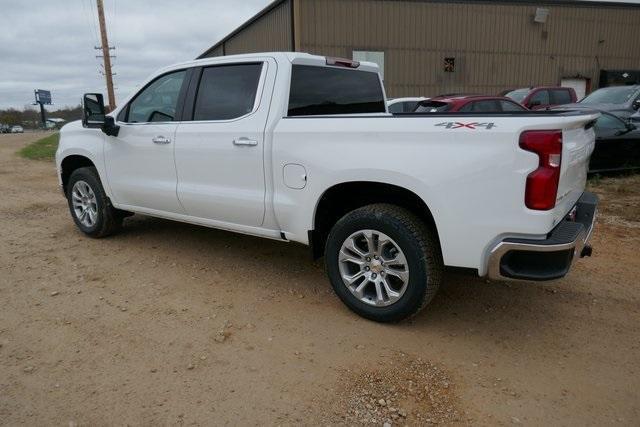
(474, 125)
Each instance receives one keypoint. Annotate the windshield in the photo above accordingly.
(432, 107)
(517, 95)
(610, 95)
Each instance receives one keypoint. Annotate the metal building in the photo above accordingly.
(429, 47)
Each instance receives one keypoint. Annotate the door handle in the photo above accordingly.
(161, 140)
(244, 141)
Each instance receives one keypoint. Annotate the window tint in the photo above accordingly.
(325, 90)
(510, 106)
(541, 97)
(227, 91)
(607, 122)
(158, 101)
(403, 107)
(398, 107)
(482, 107)
(561, 96)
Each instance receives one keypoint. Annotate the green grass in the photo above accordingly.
(42, 149)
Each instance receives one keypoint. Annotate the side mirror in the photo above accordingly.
(631, 127)
(534, 104)
(636, 104)
(93, 112)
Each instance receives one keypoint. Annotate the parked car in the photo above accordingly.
(404, 105)
(5, 128)
(17, 129)
(537, 98)
(310, 154)
(623, 101)
(468, 104)
(617, 144)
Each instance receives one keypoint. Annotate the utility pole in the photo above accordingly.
(106, 56)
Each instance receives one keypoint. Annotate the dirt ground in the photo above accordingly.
(169, 323)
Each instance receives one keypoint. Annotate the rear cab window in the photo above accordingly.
(317, 90)
(561, 96)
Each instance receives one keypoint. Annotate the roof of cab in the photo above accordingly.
(293, 57)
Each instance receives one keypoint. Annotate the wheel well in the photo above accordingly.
(340, 199)
(71, 163)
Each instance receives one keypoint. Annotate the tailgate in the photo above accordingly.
(578, 142)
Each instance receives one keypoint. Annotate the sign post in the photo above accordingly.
(43, 97)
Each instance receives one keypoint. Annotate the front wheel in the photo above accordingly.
(90, 207)
(383, 262)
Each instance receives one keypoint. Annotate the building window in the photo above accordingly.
(375, 57)
(449, 65)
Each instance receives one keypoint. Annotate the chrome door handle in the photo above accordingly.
(244, 141)
(161, 140)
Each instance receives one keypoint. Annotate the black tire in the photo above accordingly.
(417, 242)
(108, 218)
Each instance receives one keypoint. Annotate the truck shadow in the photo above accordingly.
(465, 304)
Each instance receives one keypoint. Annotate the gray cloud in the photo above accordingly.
(50, 44)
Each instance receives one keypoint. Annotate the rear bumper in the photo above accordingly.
(551, 258)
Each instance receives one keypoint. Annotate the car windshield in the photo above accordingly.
(432, 107)
(610, 95)
(517, 95)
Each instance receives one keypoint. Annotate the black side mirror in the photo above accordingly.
(631, 127)
(636, 104)
(93, 114)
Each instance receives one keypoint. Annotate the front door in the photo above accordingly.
(140, 160)
(219, 152)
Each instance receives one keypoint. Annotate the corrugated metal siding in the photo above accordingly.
(270, 32)
(496, 46)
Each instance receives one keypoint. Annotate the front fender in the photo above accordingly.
(76, 140)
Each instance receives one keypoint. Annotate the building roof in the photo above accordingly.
(584, 3)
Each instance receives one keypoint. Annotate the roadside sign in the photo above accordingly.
(43, 96)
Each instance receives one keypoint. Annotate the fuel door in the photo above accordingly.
(294, 176)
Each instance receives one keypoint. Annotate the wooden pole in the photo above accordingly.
(106, 56)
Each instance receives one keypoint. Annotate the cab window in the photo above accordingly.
(540, 98)
(227, 91)
(158, 101)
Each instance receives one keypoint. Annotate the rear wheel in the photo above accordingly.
(89, 205)
(383, 262)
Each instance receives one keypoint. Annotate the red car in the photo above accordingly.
(468, 104)
(537, 98)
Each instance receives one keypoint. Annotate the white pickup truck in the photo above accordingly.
(302, 148)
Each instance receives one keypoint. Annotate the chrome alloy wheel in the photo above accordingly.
(373, 268)
(85, 206)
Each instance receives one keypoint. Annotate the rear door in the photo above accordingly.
(220, 144)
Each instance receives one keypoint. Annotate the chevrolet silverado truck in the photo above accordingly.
(302, 148)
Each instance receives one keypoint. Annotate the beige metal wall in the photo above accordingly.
(496, 46)
(270, 32)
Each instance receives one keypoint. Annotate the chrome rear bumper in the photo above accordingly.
(551, 258)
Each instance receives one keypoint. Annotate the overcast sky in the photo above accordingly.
(50, 44)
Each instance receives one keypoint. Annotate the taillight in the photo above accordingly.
(542, 183)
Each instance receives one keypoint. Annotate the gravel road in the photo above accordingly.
(169, 323)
